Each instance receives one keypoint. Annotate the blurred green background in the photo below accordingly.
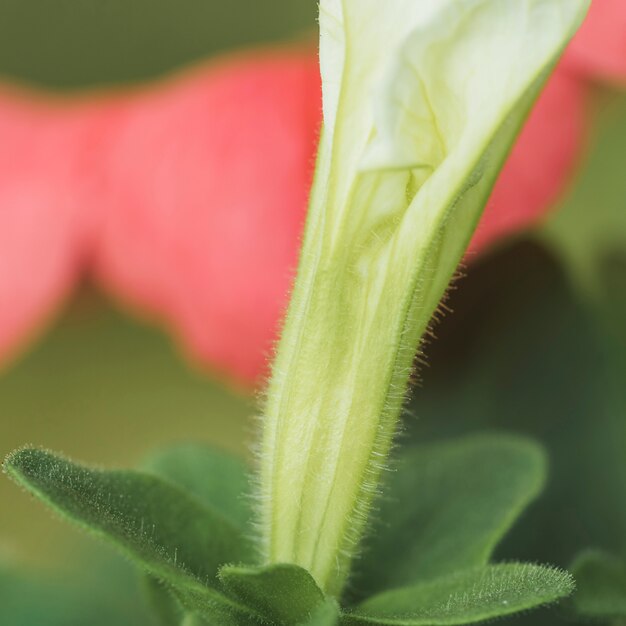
(76, 43)
(537, 343)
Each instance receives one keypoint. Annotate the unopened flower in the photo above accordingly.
(422, 103)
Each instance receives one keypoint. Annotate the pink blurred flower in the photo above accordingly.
(186, 200)
(599, 49)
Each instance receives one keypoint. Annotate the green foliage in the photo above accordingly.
(284, 594)
(447, 506)
(600, 586)
(326, 614)
(168, 533)
(157, 524)
(466, 597)
(522, 352)
(217, 478)
(214, 607)
(168, 523)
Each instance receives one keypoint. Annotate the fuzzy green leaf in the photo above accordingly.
(168, 533)
(326, 614)
(466, 597)
(154, 522)
(217, 478)
(284, 594)
(601, 586)
(205, 604)
(447, 507)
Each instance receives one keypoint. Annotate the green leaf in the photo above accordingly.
(217, 478)
(283, 593)
(215, 608)
(138, 394)
(600, 586)
(466, 597)
(446, 508)
(326, 614)
(168, 533)
(522, 353)
(154, 522)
